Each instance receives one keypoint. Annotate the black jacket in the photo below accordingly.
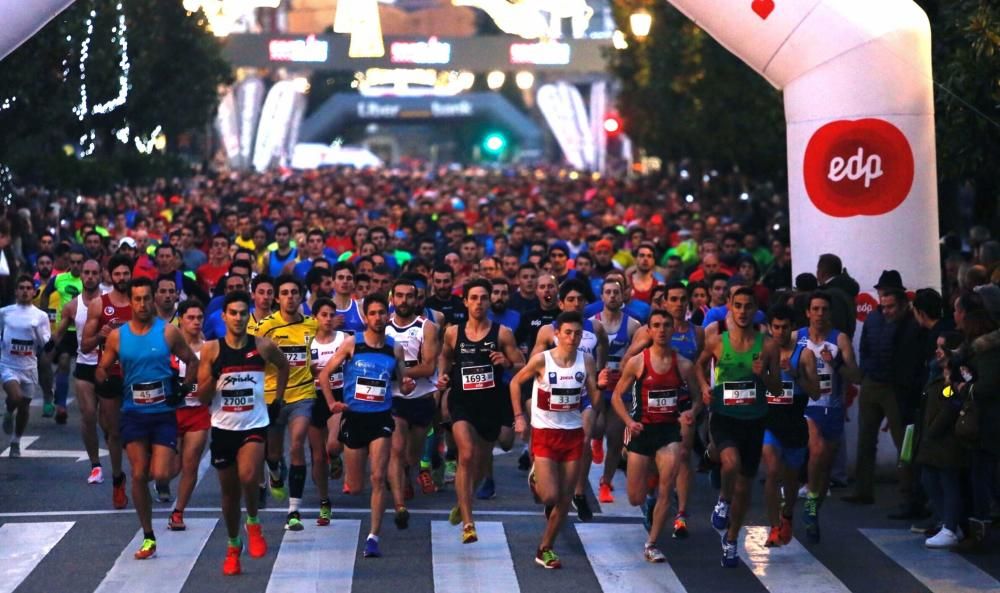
(843, 290)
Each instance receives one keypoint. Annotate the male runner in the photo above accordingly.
(193, 418)
(165, 299)
(67, 285)
(348, 318)
(291, 332)
(786, 435)
(231, 381)
(371, 363)
(563, 376)
(262, 301)
(746, 368)
(75, 313)
(105, 314)
(143, 347)
(474, 354)
(413, 413)
(543, 313)
(655, 377)
(25, 330)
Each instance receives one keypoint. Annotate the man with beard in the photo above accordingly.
(319, 281)
(442, 299)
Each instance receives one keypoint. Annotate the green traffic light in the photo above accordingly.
(494, 143)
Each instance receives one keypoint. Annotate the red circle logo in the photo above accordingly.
(858, 167)
(866, 304)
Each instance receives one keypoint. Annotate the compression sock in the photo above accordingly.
(296, 485)
(62, 389)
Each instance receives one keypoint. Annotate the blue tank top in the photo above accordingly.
(275, 263)
(831, 387)
(146, 364)
(353, 324)
(618, 343)
(686, 343)
(788, 383)
(368, 377)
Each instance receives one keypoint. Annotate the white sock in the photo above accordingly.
(293, 504)
(373, 536)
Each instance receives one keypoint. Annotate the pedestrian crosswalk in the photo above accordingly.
(601, 556)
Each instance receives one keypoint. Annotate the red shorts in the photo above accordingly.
(557, 444)
(193, 419)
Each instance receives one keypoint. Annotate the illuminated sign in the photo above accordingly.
(436, 108)
(431, 51)
(411, 82)
(549, 53)
(309, 49)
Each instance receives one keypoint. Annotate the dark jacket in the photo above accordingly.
(986, 389)
(938, 445)
(908, 364)
(844, 311)
(875, 352)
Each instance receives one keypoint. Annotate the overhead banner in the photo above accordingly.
(859, 104)
(556, 106)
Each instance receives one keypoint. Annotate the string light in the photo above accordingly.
(6, 185)
(147, 146)
(7, 103)
(121, 39)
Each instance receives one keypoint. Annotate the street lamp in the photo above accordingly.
(640, 22)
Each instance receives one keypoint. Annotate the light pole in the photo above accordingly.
(640, 22)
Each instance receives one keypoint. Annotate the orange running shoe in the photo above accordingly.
(231, 565)
(785, 530)
(256, 544)
(604, 492)
(773, 538)
(597, 450)
(176, 521)
(147, 550)
(118, 497)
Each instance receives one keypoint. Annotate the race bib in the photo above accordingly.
(786, 397)
(562, 399)
(297, 356)
(825, 383)
(147, 394)
(477, 378)
(739, 393)
(52, 315)
(237, 400)
(22, 348)
(371, 390)
(663, 401)
(191, 400)
(614, 363)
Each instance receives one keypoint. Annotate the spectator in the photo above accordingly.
(832, 276)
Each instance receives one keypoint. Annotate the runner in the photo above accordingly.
(263, 301)
(25, 330)
(193, 418)
(348, 312)
(621, 328)
(656, 378)
(231, 379)
(563, 376)
(104, 315)
(474, 354)
(75, 313)
(143, 347)
(414, 412)
(371, 362)
(291, 332)
(786, 435)
(835, 367)
(67, 286)
(746, 366)
(533, 319)
(165, 300)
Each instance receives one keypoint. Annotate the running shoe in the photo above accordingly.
(163, 493)
(487, 490)
(96, 475)
(294, 522)
(469, 534)
(426, 482)
(176, 521)
(118, 497)
(48, 410)
(785, 530)
(546, 558)
(336, 467)
(402, 518)
(810, 516)
(582, 508)
(647, 512)
(597, 450)
(604, 492)
(455, 516)
(730, 556)
(231, 565)
(278, 490)
(8, 422)
(325, 513)
(15, 450)
(774, 537)
(524, 461)
(256, 544)
(61, 415)
(720, 516)
(371, 548)
(146, 550)
(653, 554)
(680, 526)
(450, 467)
(532, 485)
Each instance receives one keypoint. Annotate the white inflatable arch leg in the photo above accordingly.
(859, 104)
(23, 18)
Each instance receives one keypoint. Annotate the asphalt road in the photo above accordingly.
(57, 534)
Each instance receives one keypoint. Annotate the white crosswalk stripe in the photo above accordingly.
(615, 554)
(23, 545)
(620, 507)
(938, 570)
(788, 569)
(475, 568)
(316, 559)
(176, 553)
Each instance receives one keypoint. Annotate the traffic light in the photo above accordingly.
(612, 125)
(494, 143)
